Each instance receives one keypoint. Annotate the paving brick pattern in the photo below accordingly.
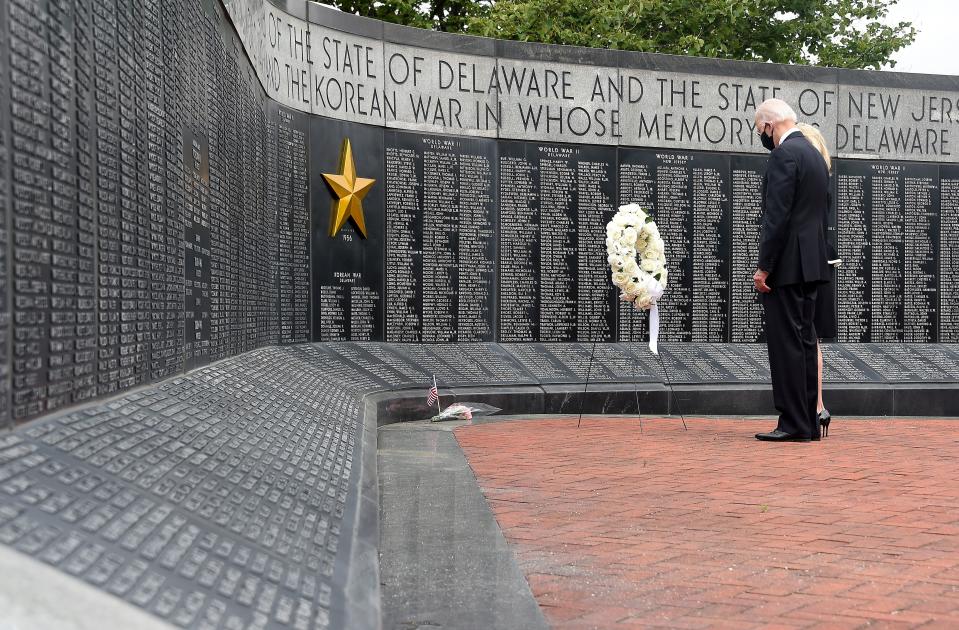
(708, 527)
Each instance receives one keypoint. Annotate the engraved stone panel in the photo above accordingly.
(5, 209)
(888, 235)
(440, 256)
(949, 254)
(715, 113)
(169, 338)
(433, 89)
(348, 271)
(747, 318)
(555, 202)
(883, 123)
(313, 68)
(688, 195)
(555, 102)
(293, 225)
(196, 247)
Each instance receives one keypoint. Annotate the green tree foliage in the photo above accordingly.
(838, 33)
(442, 15)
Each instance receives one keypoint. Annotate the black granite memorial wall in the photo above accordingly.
(165, 205)
(164, 201)
(154, 202)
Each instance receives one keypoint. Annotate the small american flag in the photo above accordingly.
(434, 395)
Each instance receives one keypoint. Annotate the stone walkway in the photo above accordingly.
(711, 528)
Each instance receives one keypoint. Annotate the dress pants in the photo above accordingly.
(791, 340)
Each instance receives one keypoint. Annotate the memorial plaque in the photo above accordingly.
(293, 225)
(134, 207)
(109, 228)
(382, 362)
(5, 202)
(51, 257)
(440, 249)
(949, 254)
(888, 234)
(169, 337)
(337, 369)
(225, 339)
(688, 195)
(747, 318)
(740, 364)
(348, 269)
(196, 248)
(163, 306)
(555, 202)
(854, 248)
(637, 184)
(259, 282)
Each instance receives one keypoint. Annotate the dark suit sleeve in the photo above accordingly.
(781, 176)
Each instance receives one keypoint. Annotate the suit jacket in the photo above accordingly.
(792, 247)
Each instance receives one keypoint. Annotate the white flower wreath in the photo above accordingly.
(632, 232)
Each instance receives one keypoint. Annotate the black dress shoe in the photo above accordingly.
(781, 436)
(824, 420)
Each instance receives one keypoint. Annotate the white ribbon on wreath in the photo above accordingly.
(637, 261)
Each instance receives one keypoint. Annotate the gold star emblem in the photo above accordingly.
(349, 190)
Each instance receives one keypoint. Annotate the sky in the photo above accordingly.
(934, 50)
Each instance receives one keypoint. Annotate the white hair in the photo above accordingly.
(774, 110)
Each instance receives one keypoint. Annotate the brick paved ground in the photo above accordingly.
(711, 528)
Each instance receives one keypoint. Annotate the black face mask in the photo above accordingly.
(767, 141)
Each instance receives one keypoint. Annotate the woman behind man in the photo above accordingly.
(825, 319)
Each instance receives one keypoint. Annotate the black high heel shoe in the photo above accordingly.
(824, 420)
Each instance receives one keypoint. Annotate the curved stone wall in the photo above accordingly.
(166, 208)
(497, 164)
(153, 201)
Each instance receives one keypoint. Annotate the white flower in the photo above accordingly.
(628, 235)
(651, 265)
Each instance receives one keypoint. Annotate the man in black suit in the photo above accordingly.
(792, 263)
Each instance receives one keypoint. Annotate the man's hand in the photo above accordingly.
(759, 281)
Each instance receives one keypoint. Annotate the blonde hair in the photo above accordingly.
(815, 138)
